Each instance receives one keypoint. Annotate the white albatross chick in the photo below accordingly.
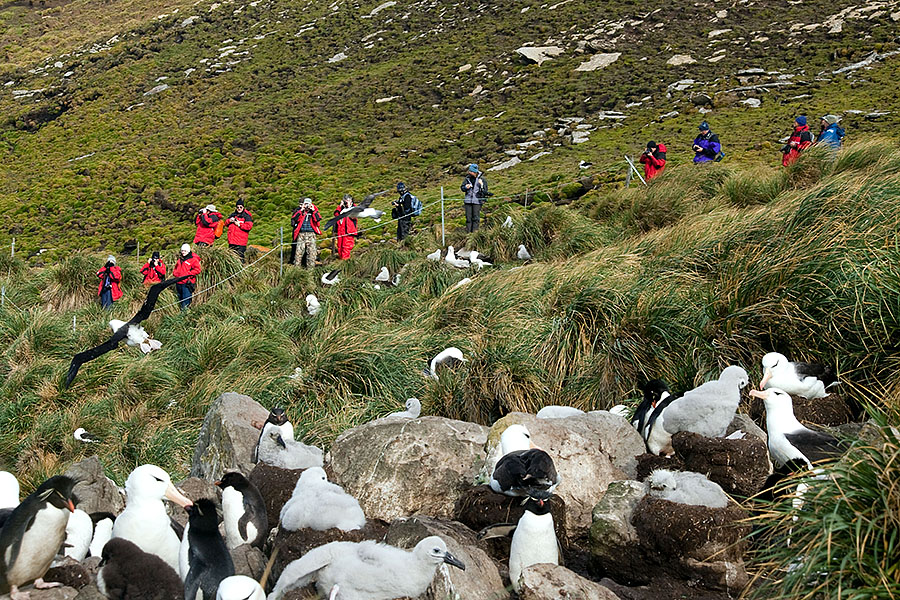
(367, 570)
(312, 305)
(508, 223)
(277, 447)
(383, 276)
(144, 521)
(522, 253)
(558, 412)
(685, 487)
(318, 504)
(137, 336)
(239, 587)
(434, 256)
(451, 259)
(413, 410)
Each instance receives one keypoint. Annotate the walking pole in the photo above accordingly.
(3, 296)
(12, 252)
(139, 253)
(634, 168)
(443, 243)
(281, 249)
(73, 324)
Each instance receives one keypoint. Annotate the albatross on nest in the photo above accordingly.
(809, 380)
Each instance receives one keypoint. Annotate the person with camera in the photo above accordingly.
(653, 159)
(207, 220)
(345, 230)
(305, 222)
(707, 147)
(800, 140)
(188, 263)
(402, 210)
(110, 276)
(831, 134)
(239, 223)
(154, 270)
(475, 188)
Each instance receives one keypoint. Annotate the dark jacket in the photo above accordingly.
(475, 188)
(402, 208)
(709, 147)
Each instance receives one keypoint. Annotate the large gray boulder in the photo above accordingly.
(399, 468)
(95, 491)
(590, 451)
(481, 579)
(547, 581)
(228, 436)
(614, 540)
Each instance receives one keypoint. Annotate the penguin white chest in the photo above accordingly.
(533, 542)
(40, 544)
(233, 509)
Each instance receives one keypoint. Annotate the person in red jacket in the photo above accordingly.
(187, 264)
(345, 229)
(154, 270)
(800, 140)
(207, 220)
(305, 222)
(653, 159)
(239, 223)
(110, 276)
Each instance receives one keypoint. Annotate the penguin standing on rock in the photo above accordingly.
(246, 521)
(534, 540)
(209, 561)
(33, 534)
(129, 573)
(278, 418)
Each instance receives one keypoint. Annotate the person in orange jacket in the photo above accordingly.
(653, 159)
(207, 220)
(187, 264)
(154, 270)
(110, 276)
(800, 140)
(239, 223)
(345, 229)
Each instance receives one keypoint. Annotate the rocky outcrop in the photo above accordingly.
(598, 61)
(399, 468)
(539, 54)
(615, 546)
(228, 436)
(95, 491)
(589, 452)
(551, 582)
(481, 579)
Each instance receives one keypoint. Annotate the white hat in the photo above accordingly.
(111, 259)
(185, 247)
(211, 207)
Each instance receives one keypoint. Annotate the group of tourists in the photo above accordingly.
(153, 271)
(708, 148)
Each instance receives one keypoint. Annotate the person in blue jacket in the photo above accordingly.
(831, 135)
(706, 145)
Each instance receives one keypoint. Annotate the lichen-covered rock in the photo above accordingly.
(398, 468)
(248, 561)
(552, 582)
(615, 546)
(228, 436)
(95, 491)
(194, 488)
(57, 593)
(739, 466)
(589, 452)
(481, 579)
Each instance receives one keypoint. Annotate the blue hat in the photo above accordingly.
(801, 120)
(474, 168)
(401, 186)
(704, 126)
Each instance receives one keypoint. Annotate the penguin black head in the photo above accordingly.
(233, 479)
(203, 515)
(537, 503)
(653, 390)
(277, 416)
(57, 491)
(96, 517)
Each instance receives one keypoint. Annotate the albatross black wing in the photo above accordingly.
(350, 212)
(89, 355)
(152, 295)
(815, 445)
(823, 372)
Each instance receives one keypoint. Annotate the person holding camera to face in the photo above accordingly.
(188, 263)
(239, 223)
(653, 159)
(110, 276)
(305, 222)
(207, 220)
(345, 230)
(154, 270)
(402, 210)
(707, 147)
(475, 188)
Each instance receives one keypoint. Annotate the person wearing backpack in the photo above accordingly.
(345, 229)
(707, 147)
(831, 135)
(208, 220)
(154, 270)
(240, 222)
(800, 140)
(475, 188)
(404, 208)
(653, 159)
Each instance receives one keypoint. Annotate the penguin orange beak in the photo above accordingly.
(70, 505)
(177, 497)
(766, 377)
